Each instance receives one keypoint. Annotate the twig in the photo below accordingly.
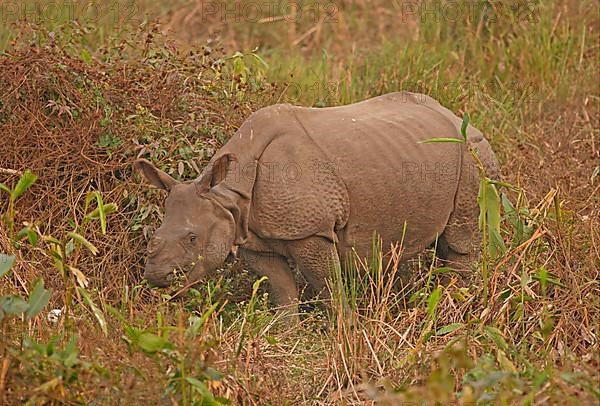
(10, 171)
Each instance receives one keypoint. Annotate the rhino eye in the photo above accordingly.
(192, 237)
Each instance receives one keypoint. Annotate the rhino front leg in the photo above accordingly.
(283, 288)
(315, 257)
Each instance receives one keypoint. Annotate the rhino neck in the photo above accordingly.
(235, 192)
(237, 204)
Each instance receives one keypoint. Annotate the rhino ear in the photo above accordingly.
(155, 176)
(217, 171)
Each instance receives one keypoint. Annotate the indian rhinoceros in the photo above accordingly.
(299, 189)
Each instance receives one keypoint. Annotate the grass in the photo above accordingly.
(77, 113)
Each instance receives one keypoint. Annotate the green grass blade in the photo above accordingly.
(95, 310)
(443, 139)
(81, 239)
(464, 126)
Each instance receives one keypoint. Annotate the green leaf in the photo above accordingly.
(496, 336)
(198, 322)
(490, 212)
(208, 399)
(85, 56)
(505, 363)
(24, 183)
(14, 305)
(108, 209)
(152, 343)
(5, 188)
(100, 207)
(432, 301)
(271, 340)
(497, 245)
(51, 239)
(69, 248)
(95, 310)
(449, 329)
(6, 262)
(256, 285)
(79, 238)
(432, 140)
(38, 299)
(464, 126)
(28, 232)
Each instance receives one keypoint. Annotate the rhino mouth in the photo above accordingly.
(161, 278)
(158, 277)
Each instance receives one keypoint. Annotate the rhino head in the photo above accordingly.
(197, 233)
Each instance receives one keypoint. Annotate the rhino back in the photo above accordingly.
(391, 178)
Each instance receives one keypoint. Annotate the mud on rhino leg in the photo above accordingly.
(283, 289)
(315, 257)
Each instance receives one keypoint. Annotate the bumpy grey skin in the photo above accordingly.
(303, 188)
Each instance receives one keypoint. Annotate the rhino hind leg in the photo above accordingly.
(283, 288)
(461, 240)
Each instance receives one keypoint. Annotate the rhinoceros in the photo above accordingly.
(300, 190)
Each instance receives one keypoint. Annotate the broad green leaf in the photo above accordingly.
(6, 262)
(81, 239)
(24, 183)
(432, 140)
(449, 329)
(496, 243)
(152, 343)
(38, 299)
(70, 353)
(464, 126)
(95, 310)
(14, 305)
